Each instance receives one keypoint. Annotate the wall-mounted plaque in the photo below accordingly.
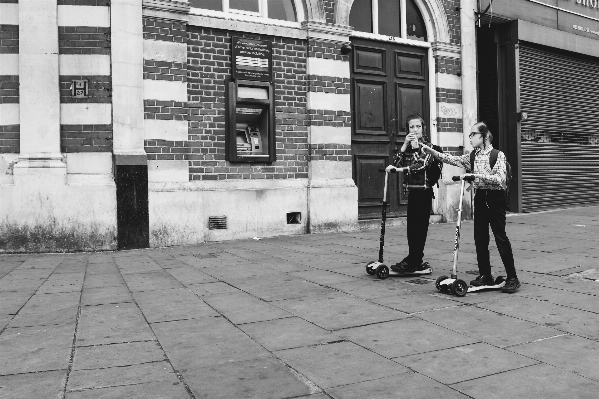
(252, 59)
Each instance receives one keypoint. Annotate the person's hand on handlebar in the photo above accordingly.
(469, 175)
(427, 149)
(392, 168)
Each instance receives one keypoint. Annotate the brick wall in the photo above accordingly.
(328, 84)
(330, 152)
(453, 20)
(449, 95)
(448, 65)
(165, 70)
(100, 89)
(156, 29)
(209, 66)
(9, 89)
(326, 49)
(449, 124)
(83, 40)
(329, 10)
(9, 39)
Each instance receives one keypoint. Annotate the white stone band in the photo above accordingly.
(329, 101)
(97, 16)
(165, 90)
(330, 135)
(84, 64)
(171, 130)
(85, 114)
(326, 67)
(159, 50)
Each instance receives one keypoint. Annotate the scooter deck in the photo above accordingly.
(486, 287)
(417, 273)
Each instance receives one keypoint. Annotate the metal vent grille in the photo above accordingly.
(217, 222)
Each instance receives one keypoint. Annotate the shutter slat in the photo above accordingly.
(559, 92)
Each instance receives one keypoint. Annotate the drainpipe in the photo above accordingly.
(468, 15)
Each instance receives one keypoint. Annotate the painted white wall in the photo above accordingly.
(168, 171)
(329, 101)
(84, 64)
(9, 14)
(158, 129)
(85, 114)
(330, 170)
(326, 67)
(9, 64)
(127, 76)
(330, 135)
(160, 50)
(165, 90)
(9, 114)
(98, 16)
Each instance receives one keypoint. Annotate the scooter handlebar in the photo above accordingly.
(466, 178)
(391, 171)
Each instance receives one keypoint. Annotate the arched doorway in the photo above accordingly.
(390, 81)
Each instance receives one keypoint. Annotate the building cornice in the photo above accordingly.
(166, 9)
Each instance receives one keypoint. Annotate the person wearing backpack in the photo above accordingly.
(422, 172)
(491, 171)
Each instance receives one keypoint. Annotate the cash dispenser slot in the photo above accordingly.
(250, 122)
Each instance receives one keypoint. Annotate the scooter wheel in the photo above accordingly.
(459, 287)
(369, 269)
(382, 272)
(499, 280)
(438, 282)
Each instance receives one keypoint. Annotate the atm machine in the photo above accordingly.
(250, 122)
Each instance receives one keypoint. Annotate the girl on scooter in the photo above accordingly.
(490, 205)
(421, 172)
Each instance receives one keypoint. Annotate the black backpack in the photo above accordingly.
(492, 160)
(433, 172)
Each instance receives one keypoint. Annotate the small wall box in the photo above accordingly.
(250, 122)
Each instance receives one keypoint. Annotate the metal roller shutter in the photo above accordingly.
(560, 140)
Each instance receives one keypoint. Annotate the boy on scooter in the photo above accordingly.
(422, 171)
(490, 204)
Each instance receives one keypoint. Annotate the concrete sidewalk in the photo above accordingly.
(298, 317)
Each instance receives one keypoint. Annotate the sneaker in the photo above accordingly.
(423, 266)
(511, 285)
(482, 280)
(403, 267)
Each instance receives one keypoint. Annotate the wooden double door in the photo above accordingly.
(389, 83)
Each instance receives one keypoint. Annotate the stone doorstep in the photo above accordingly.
(370, 224)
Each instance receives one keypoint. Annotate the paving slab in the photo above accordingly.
(102, 280)
(462, 363)
(159, 371)
(32, 349)
(496, 328)
(575, 300)
(137, 391)
(534, 382)
(150, 281)
(264, 378)
(416, 302)
(240, 308)
(188, 275)
(172, 304)
(48, 309)
(62, 282)
(116, 355)
(371, 288)
(278, 287)
(191, 344)
(109, 324)
(323, 277)
(404, 337)
(335, 364)
(561, 318)
(106, 295)
(48, 384)
(337, 310)
(13, 301)
(287, 333)
(403, 386)
(574, 354)
(207, 289)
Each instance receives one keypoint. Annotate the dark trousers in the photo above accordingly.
(489, 209)
(419, 212)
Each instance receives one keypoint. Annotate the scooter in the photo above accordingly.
(379, 268)
(452, 284)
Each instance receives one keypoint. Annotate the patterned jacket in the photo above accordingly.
(419, 165)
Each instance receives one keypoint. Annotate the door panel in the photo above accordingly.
(389, 83)
(371, 118)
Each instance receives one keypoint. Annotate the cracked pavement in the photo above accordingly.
(298, 317)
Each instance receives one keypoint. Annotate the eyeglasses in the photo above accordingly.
(472, 134)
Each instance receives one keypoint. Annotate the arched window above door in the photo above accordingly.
(284, 10)
(383, 17)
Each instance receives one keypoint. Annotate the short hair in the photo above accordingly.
(483, 129)
(411, 118)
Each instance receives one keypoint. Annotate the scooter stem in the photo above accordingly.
(456, 248)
